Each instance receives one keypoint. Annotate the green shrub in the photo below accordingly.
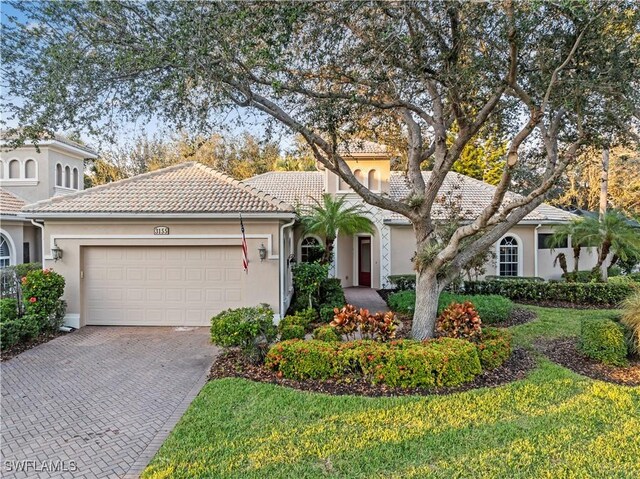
(302, 318)
(11, 276)
(246, 328)
(307, 279)
(583, 277)
(327, 313)
(631, 321)
(403, 282)
(603, 340)
(331, 292)
(326, 333)
(403, 363)
(293, 331)
(17, 330)
(8, 309)
(296, 359)
(402, 301)
(597, 294)
(495, 347)
(491, 308)
(41, 293)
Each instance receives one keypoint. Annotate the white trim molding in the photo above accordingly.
(268, 237)
(12, 247)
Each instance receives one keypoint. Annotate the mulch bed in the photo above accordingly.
(517, 316)
(234, 364)
(565, 304)
(564, 351)
(16, 349)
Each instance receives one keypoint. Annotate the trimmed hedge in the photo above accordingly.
(599, 294)
(495, 347)
(604, 341)
(403, 363)
(326, 333)
(247, 328)
(403, 282)
(491, 308)
(292, 331)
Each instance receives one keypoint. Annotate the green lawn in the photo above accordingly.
(554, 424)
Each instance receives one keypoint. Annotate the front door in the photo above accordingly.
(364, 261)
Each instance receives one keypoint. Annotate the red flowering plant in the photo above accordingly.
(42, 290)
(460, 320)
(349, 321)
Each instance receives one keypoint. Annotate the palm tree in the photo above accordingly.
(614, 234)
(560, 237)
(331, 215)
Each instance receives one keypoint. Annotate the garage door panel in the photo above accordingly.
(158, 286)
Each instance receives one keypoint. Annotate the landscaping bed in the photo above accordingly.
(233, 364)
(565, 352)
(13, 351)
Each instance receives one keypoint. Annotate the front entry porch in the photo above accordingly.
(357, 260)
(367, 298)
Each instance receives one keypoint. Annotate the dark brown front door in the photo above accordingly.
(364, 261)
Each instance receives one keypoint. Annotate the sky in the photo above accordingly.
(250, 122)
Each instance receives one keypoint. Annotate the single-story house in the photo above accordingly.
(164, 248)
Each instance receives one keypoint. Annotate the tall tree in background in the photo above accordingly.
(237, 156)
(583, 179)
(554, 75)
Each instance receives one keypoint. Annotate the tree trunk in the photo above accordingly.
(426, 309)
(602, 256)
(576, 257)
(328, 250)
(604, 185)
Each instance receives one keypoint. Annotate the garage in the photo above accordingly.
(160, 285)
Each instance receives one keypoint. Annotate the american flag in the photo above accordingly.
(245, 258)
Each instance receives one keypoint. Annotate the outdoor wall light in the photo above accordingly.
(56, 253)
(262, 251)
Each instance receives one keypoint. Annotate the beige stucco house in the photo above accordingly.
(164, 248)
(32, 173)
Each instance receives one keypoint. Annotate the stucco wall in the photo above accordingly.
(43, 186)
(71, 236)
(381, 166)
(13, 230)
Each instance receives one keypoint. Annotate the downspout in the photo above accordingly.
(535, 254)
(283, 267)
(35, 223)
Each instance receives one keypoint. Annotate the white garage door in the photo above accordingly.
(161, 286)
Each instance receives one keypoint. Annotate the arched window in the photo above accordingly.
(30, 169)
(5, 252)
(508, 256)
(75, 178)
(14, 169)
(67, 177)
(359, 176)
(58, 174)
(374, 181)
(310, 250)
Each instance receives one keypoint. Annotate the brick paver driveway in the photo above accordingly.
(100, 400)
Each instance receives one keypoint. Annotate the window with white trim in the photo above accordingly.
(67, 177)
(5, 252)
(374, 180)
(75, 178)
(310, 249)
(508, 257)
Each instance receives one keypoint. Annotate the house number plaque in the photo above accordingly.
(161, 230)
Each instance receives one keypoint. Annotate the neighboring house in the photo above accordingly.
(164, 248)
(32, 173)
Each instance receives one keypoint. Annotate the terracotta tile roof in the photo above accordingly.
(300, 187)
(356, 147)
(293, 187)
(472, 195)
(10, 204)
(181, 189)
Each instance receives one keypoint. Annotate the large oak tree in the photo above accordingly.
(552, 75)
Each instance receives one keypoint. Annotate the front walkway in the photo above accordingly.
(99, 402)
(367, 298)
